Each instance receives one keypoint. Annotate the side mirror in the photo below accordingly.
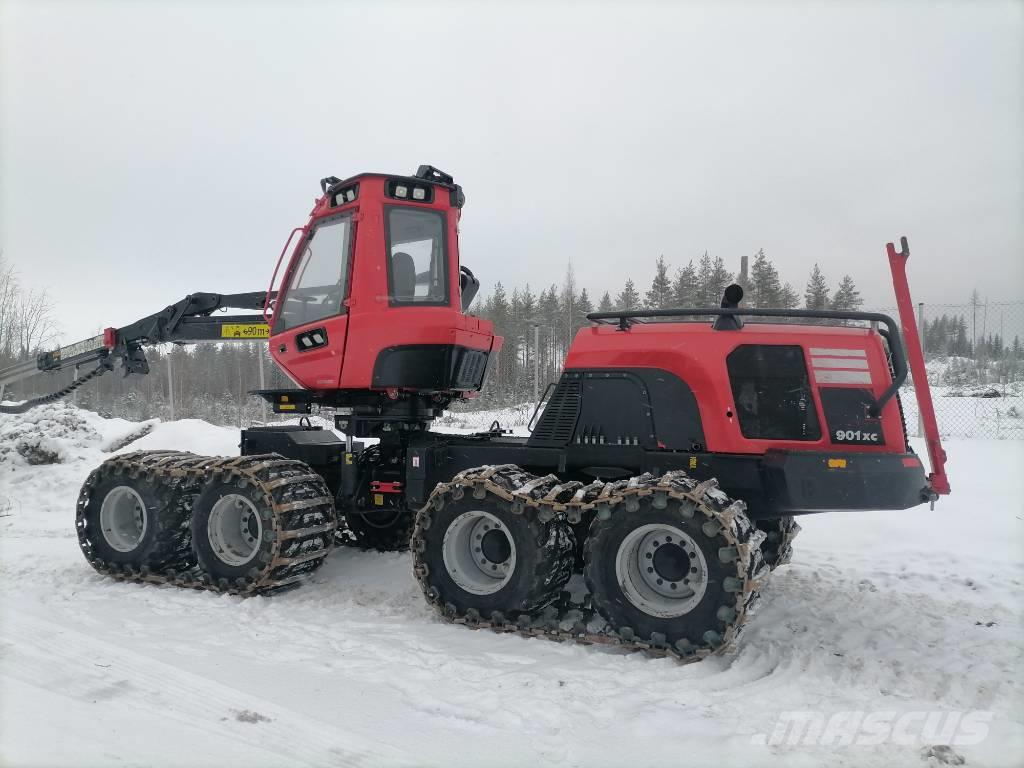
(469, 286)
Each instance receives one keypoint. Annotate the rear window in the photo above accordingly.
(417, 256)
(772, 392)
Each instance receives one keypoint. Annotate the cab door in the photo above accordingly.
(310, 324)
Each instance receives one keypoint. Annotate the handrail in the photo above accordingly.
(271, 293)
(536, 409)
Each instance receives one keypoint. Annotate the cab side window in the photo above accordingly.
(772, 392)
(417, 257)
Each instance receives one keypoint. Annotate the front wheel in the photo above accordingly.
(477, 554)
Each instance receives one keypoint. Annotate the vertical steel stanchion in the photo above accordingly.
(170, 382)
(263, 385)
(920, 331)
(74, 393)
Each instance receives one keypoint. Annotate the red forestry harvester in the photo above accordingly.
(667, 465)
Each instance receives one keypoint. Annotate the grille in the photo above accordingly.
(558, 421)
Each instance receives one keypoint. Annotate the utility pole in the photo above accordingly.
(170, 381)
(536, 362)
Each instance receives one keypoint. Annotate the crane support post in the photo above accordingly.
(915, 356)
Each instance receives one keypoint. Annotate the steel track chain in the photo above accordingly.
(295, 497)
(548, 498)
(790, 528)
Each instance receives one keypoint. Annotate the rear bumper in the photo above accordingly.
(818, 482)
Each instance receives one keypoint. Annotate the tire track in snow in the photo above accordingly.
(50, 656)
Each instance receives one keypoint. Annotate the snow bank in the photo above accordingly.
(902, 612)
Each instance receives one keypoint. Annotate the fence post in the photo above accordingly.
(920, 332)
(170, 382)
(74, 393)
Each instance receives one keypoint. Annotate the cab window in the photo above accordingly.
(772, 393)
(318, 284)
(417, 257)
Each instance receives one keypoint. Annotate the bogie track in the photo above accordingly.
(729, 544)
(240, 525)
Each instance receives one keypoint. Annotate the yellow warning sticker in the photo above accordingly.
(837, 463)
(245, 331)
(693, 462)
(378, 499)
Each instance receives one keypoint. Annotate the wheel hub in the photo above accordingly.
(234, 529)
(671, 562)
(661, 570)
(495, 546)
(123, 518)
(479, 553)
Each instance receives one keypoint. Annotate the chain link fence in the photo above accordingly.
(975, 364)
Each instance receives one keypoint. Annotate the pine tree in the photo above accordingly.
(788, 297)
(765, 286)
(629, 299)
(606, 304)
(684, 286)
(719, 280)
(660, 294)
(584, 306)
(847, 297)
(568, 307)
(547, 309)
(816, 292)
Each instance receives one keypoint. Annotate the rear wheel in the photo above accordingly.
(664, 572)
(481, 556)
(128, 522)
(232, 530)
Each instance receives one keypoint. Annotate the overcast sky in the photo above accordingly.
(149, 150)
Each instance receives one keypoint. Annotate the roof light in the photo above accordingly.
(419, 193)
(401, 190)
(346, 195)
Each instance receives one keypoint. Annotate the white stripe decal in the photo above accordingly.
(842, 377)
(835, 362)
(838, 352)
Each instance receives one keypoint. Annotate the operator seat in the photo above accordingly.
(403, 277)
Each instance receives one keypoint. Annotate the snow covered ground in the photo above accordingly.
(901, 613)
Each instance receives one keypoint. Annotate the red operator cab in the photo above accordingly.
(373, 298)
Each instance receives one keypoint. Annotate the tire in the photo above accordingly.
(777, 547)
(633, 599)
(233, 534)
(384, 532)
(134, 522)
(538, 557)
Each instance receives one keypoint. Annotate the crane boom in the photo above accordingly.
(188, 321)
